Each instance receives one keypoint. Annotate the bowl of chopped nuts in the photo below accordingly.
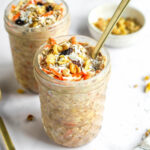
(127, 31)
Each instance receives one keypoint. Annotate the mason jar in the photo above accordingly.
(72, 111)
(24, 42)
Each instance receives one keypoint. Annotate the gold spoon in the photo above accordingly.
(6, 136)
(110, 26)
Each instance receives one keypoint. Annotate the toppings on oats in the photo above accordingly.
(70, 60)
(36, 13)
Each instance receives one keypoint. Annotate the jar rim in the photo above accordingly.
(52, 26)
(44, 76)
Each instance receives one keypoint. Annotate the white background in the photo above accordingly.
(127, 109)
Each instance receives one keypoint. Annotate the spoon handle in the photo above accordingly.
(6, 136)
(110, 26)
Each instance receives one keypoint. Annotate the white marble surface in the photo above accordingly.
(127, 110)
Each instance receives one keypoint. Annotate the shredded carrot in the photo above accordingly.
(46, 71)
(56, 77)
(31, 46)
(16, 16)
(34, 1)
(70, 124)
(47, 46)
(87, 76)
(78, 79)
(68, 132)
(51, 41)
(73, 40)
(56, 73)
(61, 9)
(80, 43)
(13, 7)
(38, 1)
(48, 13)
(30, 2)
(76, 75)
(61, 4)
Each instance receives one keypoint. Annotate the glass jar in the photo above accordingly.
(72, 111)
(24, 42)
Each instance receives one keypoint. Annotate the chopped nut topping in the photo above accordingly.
(123, 27)
(30, 117)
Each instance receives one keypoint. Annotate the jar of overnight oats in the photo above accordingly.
(72, 102)
(29, 23)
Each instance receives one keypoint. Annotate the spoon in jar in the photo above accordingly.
(110, 26)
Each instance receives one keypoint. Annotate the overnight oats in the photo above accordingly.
(72, 88)
(29, 24)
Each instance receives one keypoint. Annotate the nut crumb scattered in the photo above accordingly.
(20, 91)
(147, 133)
(135, 86)
(146, 78)
(30, 117)
(147, 88)
(137, 129)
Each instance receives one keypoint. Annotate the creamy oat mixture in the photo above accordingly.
(36, 13)
(70, 60)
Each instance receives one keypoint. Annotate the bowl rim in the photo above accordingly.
(113, 35)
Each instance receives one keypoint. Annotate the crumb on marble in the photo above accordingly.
(20, 91)
(147, 88)
(30, 117)
(147, 133)
(146, 78)
(135, 86)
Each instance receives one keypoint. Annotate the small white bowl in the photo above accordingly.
(106, 11)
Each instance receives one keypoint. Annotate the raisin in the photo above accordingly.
(76, 63)
(20, 22)
(39, 3)
(49, 8)
(99, 54)
(67, 52)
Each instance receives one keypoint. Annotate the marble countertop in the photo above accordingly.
(127, 109)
